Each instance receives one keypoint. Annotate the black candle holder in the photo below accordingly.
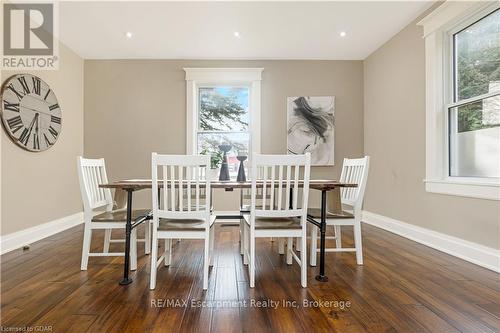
(224, 168)
(241, 170)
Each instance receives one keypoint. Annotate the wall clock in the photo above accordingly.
(30, 113)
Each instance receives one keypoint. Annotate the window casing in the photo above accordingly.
(452, 167)
(231, 85)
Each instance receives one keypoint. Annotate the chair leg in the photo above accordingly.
(212, 242)
(303, 260)
(206, 261)
(281, 245)
(358, 243)
(147, 237)
(338, 236)
(168, 251)
(298, 244)
(154, 258)
(314, 244)
(87, 237)
(242, 236)
(252, 259)
(246, 243)
(107, 240)
(289, 249)
(133, 250)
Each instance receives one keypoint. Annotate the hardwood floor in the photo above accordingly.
(402, 287)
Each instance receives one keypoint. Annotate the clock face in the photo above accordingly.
(30, 112)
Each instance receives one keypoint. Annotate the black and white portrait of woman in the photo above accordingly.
(311, 128)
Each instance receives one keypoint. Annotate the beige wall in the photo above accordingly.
(41, 187)
(135, 107)
(394, 137)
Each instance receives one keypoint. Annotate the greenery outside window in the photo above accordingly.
(474, 113)
(223, 118)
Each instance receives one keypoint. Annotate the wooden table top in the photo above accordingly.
(139, 184)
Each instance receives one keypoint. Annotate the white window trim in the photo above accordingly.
(438, 26)
(200, 77)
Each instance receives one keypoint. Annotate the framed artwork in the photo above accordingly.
(310, 127)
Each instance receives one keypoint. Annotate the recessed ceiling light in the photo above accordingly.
(343, 34)
(236, 34)
(128, 34)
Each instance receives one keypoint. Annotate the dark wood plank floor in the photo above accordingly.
(402, 287)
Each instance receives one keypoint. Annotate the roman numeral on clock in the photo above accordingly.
(11, 106)
(55, 119)
(36, 85)
(53, 132)
(52, 107)
(11, 87)
(22, 80)
(47, 141)
(24, 137)
(46, 95)
(15, 124)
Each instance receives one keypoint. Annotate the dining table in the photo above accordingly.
(129, 186)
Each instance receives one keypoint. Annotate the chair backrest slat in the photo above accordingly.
(287, 192)
(296, 187)
(184, 181)
(278, 183)
(280, 187)
(91, 174)
(354, 171)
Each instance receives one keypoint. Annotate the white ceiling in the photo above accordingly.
(205, 30)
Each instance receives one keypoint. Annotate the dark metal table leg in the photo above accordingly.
(128, 230)
(322, 277)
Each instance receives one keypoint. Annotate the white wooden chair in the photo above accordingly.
(353, 171)
(245, 205)
(286, 219)
(172, 218)
(92, 173)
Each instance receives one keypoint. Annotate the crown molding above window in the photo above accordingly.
(224, 74)
(450, 13)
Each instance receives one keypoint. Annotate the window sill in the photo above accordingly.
(480, 189)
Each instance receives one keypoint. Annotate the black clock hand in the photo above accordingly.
(25, 134)
(31, 126)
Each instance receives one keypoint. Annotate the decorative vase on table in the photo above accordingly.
(241, 170)
(224, 168)
(214, 174)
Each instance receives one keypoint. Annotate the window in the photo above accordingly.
(223, 107)
(474, 115)
(223, 118)
(462, 54)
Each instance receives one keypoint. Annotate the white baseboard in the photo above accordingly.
(24, 237)
(475, 253)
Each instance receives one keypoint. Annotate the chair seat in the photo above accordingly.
(183, 224)
(274, 222)
(119, 215)
(316, 213)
